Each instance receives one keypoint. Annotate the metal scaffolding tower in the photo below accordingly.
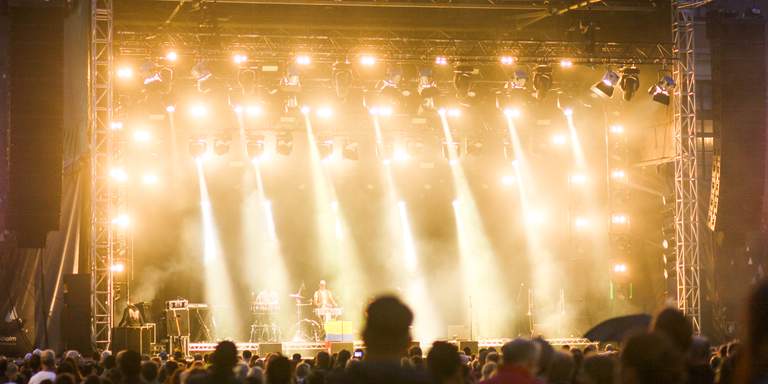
(106, 243)
(687, 265)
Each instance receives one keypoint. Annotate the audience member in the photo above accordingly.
(48, 368)
(651, 359)
(752, 361)
(562, 368)
(519, 363)
(444, 364)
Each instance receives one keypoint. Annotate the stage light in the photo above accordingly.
(441, 60)
(197, 147)
(239, 58)
(124, 72)
(254, 110)
(170, 109)
(381, 111)
(450, 112)
(507, 60)
(325, 147)
(453, 162)
(619, 219)
(630, 82)
(580, 223)
(238, 109)
(149, 178)
(568, 112)
(367, 60)
(118, 174)
(665, 245)
(620, 268)
(512, 112)
(117, 268)
(451, 149)
(462, 82)
(542, 81)
(305, 109)
(534, 217)
(303, 60)
(325, 112)
(400, 155)
(171, 56)
(616, 129)
(507, 180)
(142, 136)
(604, 87)
(566, 63)
(660, 92)
(116, 125)
(578, 179)
(221, 146)
(284, 143)
(559, 139)
(122, 221)
(350, 150)
(618, 175)
(198, 110)
(255, 147)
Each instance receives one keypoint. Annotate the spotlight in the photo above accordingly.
(125, 72)
(604, 87)
(507, 180)
(400, 155)
(542, 81)
(568, 112)
(198, 110)
(305, 109)
(384, 110)
(367, 60)
(149, 178)
(660, 92)
(325, 112)
(630, 82)
(170, 109)
(620, 268)
(284, 143)
(221, 146)
(303, 60)
(507, 60)
(117, 268)
(618, 175)
(559, 139)
(254, 110)
(239, 58)
(142, 136)
(512, 113)
(616, 129)
(118, 174)
(619, 219)
(578, 179)
(116, 125)
(197, 147)
(351, 150)
(122, 221)
(441, 60)
(171, 56)
(665, 244)
(255, 147)
(580, 223)
(566, 63)
(534, 217)
(325, 147)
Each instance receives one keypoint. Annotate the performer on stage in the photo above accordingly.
(323, 297)
(131, 317)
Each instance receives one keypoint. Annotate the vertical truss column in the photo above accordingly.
(101, 241)
(687, 266)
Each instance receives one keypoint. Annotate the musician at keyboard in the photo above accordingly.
(323, 300)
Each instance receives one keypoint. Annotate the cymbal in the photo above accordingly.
(296, 296)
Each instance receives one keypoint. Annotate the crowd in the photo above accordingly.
(667, 353)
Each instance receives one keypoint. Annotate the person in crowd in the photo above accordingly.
(129, 365)
(488, 371)
(444, 364)
(493, 357)
(149, 372)
(752, 358)
(415, 351)
(66, 378)
(302, 371)
(322, 362)
(673, 323)
(279, 371)
(599, 369)
(386, 335)
(10, 373)
(651, 358)
(223, 362)
(562, 368)
(546, 354)
(48, 368)
(699, 371)
(520, 362)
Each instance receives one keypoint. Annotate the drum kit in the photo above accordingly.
(309, 325)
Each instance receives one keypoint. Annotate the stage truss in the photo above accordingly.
(108, 244)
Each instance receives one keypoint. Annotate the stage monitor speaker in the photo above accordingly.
(76, 314)
(177, 322)
(15, 340)
(471, 344)
(338, 347)
(266, 348)
(36, 134)
(137, 339)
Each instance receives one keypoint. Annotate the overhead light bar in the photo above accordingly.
(605, 86)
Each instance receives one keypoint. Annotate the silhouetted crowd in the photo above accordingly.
(667, 353)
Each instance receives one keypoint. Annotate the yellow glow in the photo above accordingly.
(454, 112)
(305, 109)
(581, 222)
(400, 155)
(559, 139)
(620, 268)
(535, 217)
(198, 110)
(507, 180)
(239, 58)
(118, 174)
(618, 174)
(441, 60)
(512, 112)
(619, 219)
(578, 179)
(616, 129)
(122, 221)
(142, 136)
(124, 72)
(325, 112)
(116, 125)
(303, 60)
(149, 178)
(566, 63)
(254, 110)
(381, 110)
(118, 267)
(568, 112)
(171, 56)
(507, 60)
(368, 60)
(170, 109)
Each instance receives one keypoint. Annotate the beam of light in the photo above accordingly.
(218, 286)
(578, 151)
(339, 259)
(479, 264)
(427, 325)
